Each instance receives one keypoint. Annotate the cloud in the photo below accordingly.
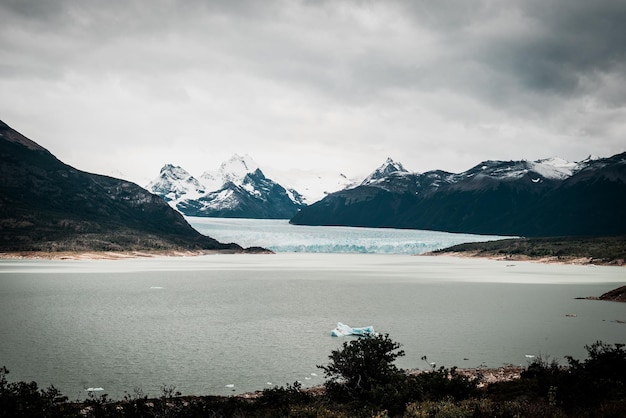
(314, 83)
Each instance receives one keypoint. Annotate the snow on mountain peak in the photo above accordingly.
(234, 170)
(239, 166)
(175, 182)
(554, 168)
(388, 167)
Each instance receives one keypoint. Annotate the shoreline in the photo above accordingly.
(580, 261)
(487, 376)
(133, 254)
(108, 255)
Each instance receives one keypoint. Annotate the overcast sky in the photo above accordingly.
(122, 87)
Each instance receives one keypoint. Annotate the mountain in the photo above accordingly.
(46, 205)
(175, 183)
(382, 173)
(238, 189)
(550, 197)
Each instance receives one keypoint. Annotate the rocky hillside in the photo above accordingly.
(525, 198)
(46, 205)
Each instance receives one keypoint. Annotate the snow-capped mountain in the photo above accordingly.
(393, 177)
(389, 167)
(533, 198)
(238, 188)
(175, 183)
(232, 170)
(554, 168)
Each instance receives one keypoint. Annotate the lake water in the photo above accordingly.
(205, 323)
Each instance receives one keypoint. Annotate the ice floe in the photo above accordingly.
(343, 330)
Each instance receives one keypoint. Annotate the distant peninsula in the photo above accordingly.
(581, 250)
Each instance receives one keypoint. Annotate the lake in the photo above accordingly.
(226, 324)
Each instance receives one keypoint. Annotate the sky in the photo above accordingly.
(122, 87)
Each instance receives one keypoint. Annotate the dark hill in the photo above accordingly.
(486, 200)
(46, 205)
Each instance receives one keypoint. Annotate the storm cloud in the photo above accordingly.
(126, 86)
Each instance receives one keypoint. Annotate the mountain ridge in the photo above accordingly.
(47, 205)
(238, 189)
(527, 198)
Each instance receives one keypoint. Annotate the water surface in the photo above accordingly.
(202, 323)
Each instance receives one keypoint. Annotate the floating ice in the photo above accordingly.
(156, 287)
(93, 389)
(342, 330)
(230, 385)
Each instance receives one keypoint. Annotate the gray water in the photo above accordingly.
(254, 321)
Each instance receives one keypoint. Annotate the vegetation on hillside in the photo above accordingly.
(598, 250)
(364, 382)
(46, 205)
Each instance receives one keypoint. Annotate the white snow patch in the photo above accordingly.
(554, 168)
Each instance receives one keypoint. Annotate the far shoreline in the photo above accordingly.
(580, 261)
(114, 255)
(139, 254)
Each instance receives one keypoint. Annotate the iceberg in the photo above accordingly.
(342, 330)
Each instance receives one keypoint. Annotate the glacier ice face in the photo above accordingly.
(282, 237)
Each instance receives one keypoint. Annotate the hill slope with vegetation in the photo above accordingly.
(46, 205)
(593, 250)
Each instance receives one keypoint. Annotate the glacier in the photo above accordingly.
(282, 237)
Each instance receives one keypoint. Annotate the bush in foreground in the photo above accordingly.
(363, 372)
(364, 382)
(21, 399)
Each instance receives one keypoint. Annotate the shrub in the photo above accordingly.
(598, 381)
(363, 370)
(282, 396)
(361, 366)
(21, 399)
(444, 383)
(600, 377)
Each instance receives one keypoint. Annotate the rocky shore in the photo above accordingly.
(538, 259)
(615, 295)
(486, 376)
